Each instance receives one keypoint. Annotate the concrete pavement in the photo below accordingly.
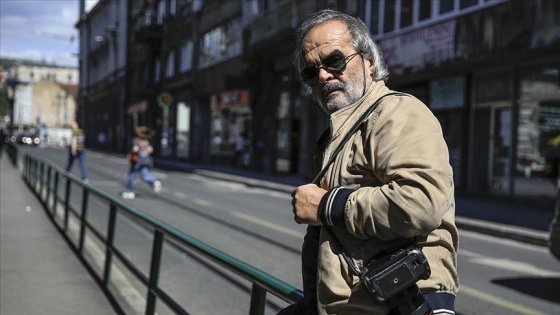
(39, 272)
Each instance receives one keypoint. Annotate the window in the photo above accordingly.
(374, 17)
(170, 66)
(389, 16)
(157, 71)
(183, 129)
(406, 13)
(446, 6)
(161, 12)
(425, 10)
(467, 3)
(172, 7)
(221, 43)
(186, 56)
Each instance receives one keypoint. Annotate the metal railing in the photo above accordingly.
(46, 179)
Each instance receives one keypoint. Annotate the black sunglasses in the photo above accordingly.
(335, 62)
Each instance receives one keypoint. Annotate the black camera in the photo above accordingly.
(392, 279)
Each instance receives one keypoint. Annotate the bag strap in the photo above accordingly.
(350, 133)
(320, 175)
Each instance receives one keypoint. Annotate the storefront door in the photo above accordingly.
(492, 149)
(500, 149)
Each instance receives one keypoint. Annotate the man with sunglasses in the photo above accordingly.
(390, 185)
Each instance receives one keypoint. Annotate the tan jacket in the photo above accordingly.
(397, 166)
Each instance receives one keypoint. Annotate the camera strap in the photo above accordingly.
(325, 168)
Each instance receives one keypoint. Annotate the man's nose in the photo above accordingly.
(324, 74)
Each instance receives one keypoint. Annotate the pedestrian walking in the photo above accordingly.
(385, 188)
(77, 150)
(239, 149)
(140, 158)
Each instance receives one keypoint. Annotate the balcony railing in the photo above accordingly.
(147, 27)
(285, 16)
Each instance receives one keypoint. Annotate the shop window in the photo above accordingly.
(538, 130)
(448, 92)
(283, 133)
(420, 91)
(183, 129)
(493, 87)
(231, 117)
(453, 130)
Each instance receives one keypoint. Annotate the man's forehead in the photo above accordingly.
(325, 37)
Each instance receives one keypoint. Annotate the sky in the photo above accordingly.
(41, 30)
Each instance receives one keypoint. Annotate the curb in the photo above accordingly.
(503, 230)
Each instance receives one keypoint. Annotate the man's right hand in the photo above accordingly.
(305, 203)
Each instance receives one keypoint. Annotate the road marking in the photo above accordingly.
(269, 225)
(508, 264)
(517, 308)
(179, 194)
(203, 203)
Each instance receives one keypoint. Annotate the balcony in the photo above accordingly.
(286, 16)
(147, 28)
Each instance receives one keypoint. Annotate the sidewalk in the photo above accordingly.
(39, 273)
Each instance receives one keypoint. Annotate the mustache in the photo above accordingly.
(334, 85)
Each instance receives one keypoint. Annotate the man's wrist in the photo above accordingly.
(332, 206)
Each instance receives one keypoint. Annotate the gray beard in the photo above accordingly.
(334, 103)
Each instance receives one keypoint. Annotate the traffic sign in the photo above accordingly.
(165, 99)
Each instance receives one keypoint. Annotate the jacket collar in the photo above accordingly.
(344, 118)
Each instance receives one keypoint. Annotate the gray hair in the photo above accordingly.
(362, 39)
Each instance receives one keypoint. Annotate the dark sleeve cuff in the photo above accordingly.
(332, 205)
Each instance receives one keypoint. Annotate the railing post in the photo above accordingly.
(49, 178)
(34, 174)
(109, 244)
(40, 180)
(258, 300)
(154, 272)
(55, 194)
(67, 205)
(85, 198)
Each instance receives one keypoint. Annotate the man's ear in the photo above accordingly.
(369, 64)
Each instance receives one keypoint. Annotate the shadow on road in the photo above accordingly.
(543, 288)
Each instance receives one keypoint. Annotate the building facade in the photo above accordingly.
(42, 97)
(203, 72)
(102, 63)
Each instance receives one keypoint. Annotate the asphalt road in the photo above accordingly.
(254, 224)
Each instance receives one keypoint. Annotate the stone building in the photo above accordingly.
(201, 72)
